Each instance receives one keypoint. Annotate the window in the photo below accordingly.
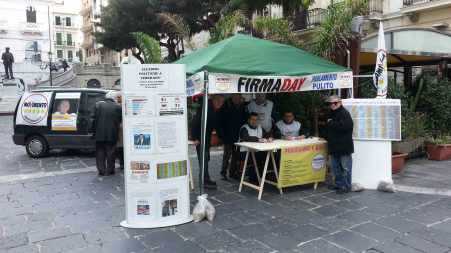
(69, 39)
(59, 39)
(57, 20)
(33, 51)
(68, 21)
(31, 14)
(70, 55)
(59, 54)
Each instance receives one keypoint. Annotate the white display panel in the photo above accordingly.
(155, 145)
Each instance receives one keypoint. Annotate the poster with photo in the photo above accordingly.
(169, 202)
(139, 171)
(142, 138)
(171, 169)
(171, 105)
(167, 136)
(65, 111)
(139, 106)
(142, 206)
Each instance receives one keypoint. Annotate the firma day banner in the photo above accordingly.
(155, 145)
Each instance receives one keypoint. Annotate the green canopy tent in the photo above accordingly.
(244, 64)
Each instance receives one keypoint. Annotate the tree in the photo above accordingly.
(227, 26)
(168, 21)
(150, 47)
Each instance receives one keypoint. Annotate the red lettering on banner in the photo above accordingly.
(294, 85)
(286, 85)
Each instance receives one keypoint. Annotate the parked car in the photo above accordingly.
(55, 118)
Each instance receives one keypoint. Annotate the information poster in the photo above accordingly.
(155, 145)
(65, 111)
(375, 119)
(303, 165)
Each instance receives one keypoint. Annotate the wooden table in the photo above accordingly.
(270, 148)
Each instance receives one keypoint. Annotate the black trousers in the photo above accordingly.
(8, 70)
(207, 159)
(105, 157)
(231, 159)
(120, 156)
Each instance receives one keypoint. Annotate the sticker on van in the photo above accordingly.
(33, 109)
(65, 111)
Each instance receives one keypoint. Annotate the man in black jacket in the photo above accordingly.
(232, 116)
(8, 60)
(214, 106)
(107, 117)
(340, 144)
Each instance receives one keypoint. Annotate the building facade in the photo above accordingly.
(95, 53)
(67, 36)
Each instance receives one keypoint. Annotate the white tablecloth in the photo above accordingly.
(279, 144)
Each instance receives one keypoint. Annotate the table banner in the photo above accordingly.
(303, 165)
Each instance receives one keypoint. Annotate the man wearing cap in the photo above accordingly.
(8, 60)
(340, 144)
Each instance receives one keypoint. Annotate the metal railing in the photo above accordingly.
(413, 2)
(375, 6)
(315, 17)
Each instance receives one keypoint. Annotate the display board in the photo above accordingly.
(155, 145)
(375, 119)
(303, 165)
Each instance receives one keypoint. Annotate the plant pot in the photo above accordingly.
(398, 161)
(438, 152)
(408, 146)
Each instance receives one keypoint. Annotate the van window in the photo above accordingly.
(65, 111)
(92, 99)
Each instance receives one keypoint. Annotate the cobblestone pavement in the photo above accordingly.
(422, 175)
(80, 212)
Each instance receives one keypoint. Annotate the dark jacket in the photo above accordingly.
(212, 123)
(7, 58)
(231, 118)
(339, 132)
(107, 117)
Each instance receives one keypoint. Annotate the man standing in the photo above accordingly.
(263, 108)
(288, 128)
(8, 60)
(214, 106)
(340, 144)
(232, 116)
(107, 117)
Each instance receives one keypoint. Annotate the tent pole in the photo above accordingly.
(203, 134)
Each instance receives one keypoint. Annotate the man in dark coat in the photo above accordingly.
(232, 116)
(107, 117)
(8, 60)
(340, 144)
(214, 106)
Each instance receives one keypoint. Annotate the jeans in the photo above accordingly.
(342, 169)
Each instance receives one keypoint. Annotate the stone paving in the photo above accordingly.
(80, 212)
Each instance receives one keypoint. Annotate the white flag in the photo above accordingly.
(380, 77)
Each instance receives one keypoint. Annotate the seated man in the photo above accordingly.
(288, 128)
(253, 132)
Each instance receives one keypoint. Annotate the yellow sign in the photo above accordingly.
(303, 165)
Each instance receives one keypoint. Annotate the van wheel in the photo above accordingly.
(36, 146)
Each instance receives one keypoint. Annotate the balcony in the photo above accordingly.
(64, 44)
(412, 6)
(315, 17)
(32, 28)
